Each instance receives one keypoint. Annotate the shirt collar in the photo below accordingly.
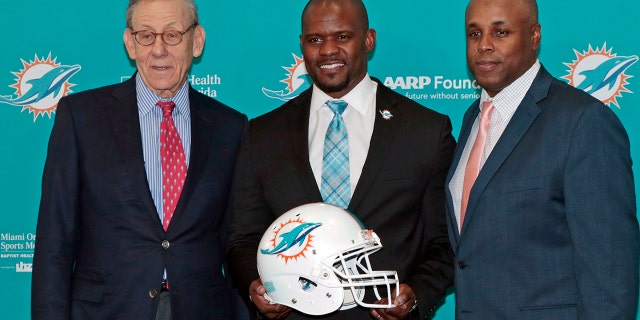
(359, 98)
(513, 93)
(147, 99)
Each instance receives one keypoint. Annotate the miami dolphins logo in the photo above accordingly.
(386, 114)
(40, 85)
(601, 73)
(291, 239)
(297, 80)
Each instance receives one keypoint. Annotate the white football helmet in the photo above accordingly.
(315, 258)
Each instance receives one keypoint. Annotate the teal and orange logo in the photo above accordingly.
(291, 239)
(40, 84)
(601, 73)
(297, 81)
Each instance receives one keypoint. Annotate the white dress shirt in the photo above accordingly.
(359, 117)
(505, 102)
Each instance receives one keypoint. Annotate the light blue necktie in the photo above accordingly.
(336, 184)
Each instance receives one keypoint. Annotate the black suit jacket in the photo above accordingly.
(400, 194)
(101, 248)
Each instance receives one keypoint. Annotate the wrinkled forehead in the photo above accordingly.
(174, 12)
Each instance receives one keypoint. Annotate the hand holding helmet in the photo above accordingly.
(257, 294)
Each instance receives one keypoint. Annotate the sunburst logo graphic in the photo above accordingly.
(297, 80)
(40, 85)
(601, 73)
(291, 239)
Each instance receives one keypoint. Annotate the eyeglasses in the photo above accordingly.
(170, 37)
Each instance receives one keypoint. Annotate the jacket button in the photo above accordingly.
(165, 244)
(153, 293)
(462, 265)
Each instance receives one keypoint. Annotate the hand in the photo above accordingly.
(404, 303)
(268, 309)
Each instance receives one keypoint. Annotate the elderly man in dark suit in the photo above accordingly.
(541, 200)
(398, 156)
(134, 210)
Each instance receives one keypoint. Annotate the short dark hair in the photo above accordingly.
(362, 10)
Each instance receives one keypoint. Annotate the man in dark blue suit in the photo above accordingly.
(110, 245)
(547, 228)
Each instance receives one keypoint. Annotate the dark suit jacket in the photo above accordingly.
(550, 230)
(399, 195)
(101, 248)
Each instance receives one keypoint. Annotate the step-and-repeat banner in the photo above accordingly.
(252, 62)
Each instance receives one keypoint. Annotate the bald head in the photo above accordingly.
(360, 11)
(529, 8)
(503, 37)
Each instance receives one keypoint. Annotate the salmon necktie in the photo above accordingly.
(174, 168)
(475, 157)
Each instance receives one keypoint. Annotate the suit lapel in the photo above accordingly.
(123, 116)
(383, 134)
(522, 119)
(299, 135)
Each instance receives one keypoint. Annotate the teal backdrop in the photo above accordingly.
(252, 62)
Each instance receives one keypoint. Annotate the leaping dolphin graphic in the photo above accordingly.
(606, 74)
(279, 94)
(293, 237)
(49, 84)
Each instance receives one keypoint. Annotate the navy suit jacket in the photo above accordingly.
(550, 230)
(101, 249)
(399, 195)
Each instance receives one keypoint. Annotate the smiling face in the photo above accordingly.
(503, 37)
(335, 42)
(164, 68)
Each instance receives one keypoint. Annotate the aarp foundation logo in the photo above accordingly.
(297, 81)
(601, 73)
(40, 85)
